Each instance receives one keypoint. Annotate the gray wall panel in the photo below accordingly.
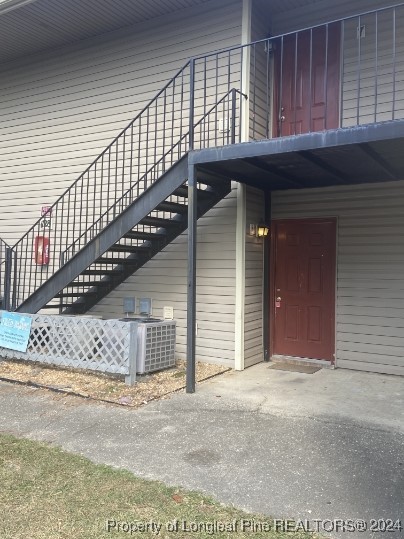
(253, 323)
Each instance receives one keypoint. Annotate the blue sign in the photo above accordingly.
(15, 330)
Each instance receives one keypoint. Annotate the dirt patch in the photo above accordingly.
(106, 386)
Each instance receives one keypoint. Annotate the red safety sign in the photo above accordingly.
(41, 251)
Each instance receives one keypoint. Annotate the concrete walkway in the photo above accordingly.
(324, 446)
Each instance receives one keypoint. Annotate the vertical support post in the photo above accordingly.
(191, 284)
(239, 317)
(14, 280)
(341, 75)
(394, 63)
(233, 115)
(191, 104)
(327, 41)
(130, 379)
(7, 279)
(358, 71)
(61, 264)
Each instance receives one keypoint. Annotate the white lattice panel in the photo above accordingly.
(80, 342)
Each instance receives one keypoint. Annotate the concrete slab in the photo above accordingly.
(282, 444)
(339, 393)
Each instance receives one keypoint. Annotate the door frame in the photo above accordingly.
(273, 128)
(272, 266)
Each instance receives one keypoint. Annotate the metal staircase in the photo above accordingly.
(140, 243)
(128, 205)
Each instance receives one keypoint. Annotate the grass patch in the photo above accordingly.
(47, 493)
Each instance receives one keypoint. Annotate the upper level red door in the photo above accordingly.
(307, 87)
(305, 288)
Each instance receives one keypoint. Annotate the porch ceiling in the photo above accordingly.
(370, 153)
(30, 26)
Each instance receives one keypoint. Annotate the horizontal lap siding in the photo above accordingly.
(253, 323)
(164, 279)
(373, 70)
(60, 109)
(370, 268)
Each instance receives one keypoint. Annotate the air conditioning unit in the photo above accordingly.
(155, 346)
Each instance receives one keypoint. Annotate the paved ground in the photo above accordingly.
(323, 446)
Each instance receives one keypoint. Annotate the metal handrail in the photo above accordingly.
(153, 100)
(300, 30)
(233, 92)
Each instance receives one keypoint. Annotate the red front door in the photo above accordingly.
(307, 73)
(304, 297)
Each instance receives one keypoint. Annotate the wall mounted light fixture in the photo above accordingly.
(262, 230)
(259, 230)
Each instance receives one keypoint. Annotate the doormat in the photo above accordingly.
(292, 367)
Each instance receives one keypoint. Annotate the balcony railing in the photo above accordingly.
(344, 73)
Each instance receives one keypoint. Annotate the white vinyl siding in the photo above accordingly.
(164, 279)
(60, 109)
(370, 268)
(254, 285)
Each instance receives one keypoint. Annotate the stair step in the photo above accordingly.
(117, 261)
(159, 222)
(89, 283)
(120, 248)
(62, 305)
(173, 207)
(107, 272)
(74, 294)
(212, 181)
(147, 236)
(183, 192)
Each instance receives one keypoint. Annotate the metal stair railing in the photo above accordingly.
(134, 160)
(226, 107)
(123, 164)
